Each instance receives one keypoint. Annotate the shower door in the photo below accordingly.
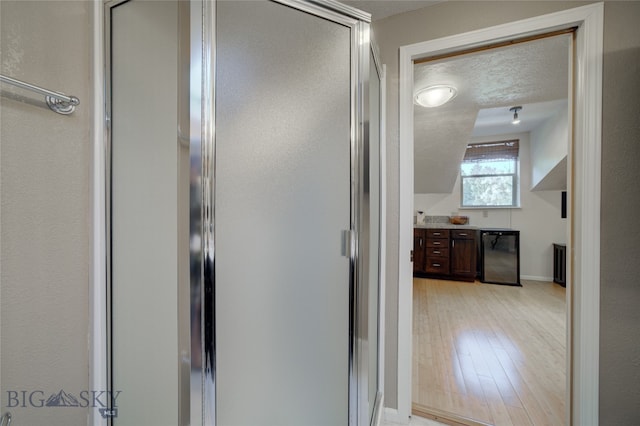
(284, 174)
(241, 187)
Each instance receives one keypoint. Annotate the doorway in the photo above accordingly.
(477, 347)
(582, 338)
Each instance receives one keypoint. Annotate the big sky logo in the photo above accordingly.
(104, 401)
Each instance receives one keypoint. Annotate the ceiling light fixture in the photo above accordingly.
(435, 96)
(516, 119)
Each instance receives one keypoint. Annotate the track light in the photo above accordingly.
(516, 119)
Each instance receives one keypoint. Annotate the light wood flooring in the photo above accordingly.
(491, 353)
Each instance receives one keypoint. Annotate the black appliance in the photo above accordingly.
(500, 256)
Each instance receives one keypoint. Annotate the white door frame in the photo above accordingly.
(98, 284)
(584, 236)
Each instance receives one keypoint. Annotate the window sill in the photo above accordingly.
(491, 208)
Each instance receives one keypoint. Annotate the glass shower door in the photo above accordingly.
(279, 172)
(287, 173)
(282, 206)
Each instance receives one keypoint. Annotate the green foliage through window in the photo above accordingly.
(489, 175)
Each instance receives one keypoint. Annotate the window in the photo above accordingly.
(489, 175)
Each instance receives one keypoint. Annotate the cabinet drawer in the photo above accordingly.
(438, 242)
(438, 233)
(433, 252)
(437, 265)
(463, 234)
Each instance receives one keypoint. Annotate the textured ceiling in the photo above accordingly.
(380, 9)
(496, 79)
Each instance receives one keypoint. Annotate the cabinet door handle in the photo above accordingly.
(436, 265)
(436, 252)
(453, 243)
(436, 243)
(462, 234)
(420, 242)
(436, 233)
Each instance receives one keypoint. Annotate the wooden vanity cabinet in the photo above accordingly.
(445, 253)
(463, 254)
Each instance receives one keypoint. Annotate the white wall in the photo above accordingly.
(549, 146)
(538, 218)
(45, 209)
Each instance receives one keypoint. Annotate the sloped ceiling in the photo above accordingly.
(555, 180)
(500, 78)
(494, 121)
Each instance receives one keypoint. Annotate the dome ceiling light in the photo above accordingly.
(435, 96)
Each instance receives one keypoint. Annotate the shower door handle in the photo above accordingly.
(348, 244)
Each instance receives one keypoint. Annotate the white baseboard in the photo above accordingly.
(536, 278)
(392, 415)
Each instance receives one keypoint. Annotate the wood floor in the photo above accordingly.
(491, 353)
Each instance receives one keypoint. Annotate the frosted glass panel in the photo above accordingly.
(147, 196)
(282, 201)
(374, 229)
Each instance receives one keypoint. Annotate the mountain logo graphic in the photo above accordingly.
(62, 399)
